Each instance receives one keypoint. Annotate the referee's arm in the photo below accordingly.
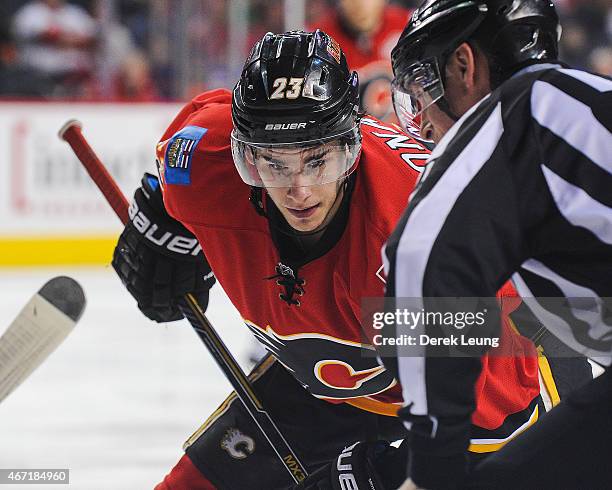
(460, 237)
(527, 177)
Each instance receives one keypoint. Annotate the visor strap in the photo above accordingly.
(442, 103)
(256, 199)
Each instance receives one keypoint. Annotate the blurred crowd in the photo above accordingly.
(149, 50)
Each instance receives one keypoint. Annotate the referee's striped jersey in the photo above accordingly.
(521, 188)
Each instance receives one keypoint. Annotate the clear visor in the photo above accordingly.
(417, 89)
(314, 162)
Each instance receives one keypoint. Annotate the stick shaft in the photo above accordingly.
(97, 171)
(190, 308)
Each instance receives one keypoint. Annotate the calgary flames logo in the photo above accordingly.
(328, 367)
(237, 444)
(343, 374)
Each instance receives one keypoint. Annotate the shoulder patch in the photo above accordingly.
(179, 152)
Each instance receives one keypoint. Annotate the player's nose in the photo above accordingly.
(299, 193)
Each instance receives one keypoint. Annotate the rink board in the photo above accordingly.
(50, 211)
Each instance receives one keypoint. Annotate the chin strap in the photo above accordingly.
(445, 108)
(256, 199)
(442, 103)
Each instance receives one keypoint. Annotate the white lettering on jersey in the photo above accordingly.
(416, 159)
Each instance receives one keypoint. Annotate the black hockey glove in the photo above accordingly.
(362, 466)
(158, 259)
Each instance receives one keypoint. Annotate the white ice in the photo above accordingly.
(117, 399)
(115, 402)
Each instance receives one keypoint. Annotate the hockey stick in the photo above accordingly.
(71, 133)
(41, 326)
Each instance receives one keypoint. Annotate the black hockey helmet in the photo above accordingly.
(296, 93)
(513, 34)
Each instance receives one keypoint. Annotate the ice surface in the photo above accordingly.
(115, 402)
(119, 397)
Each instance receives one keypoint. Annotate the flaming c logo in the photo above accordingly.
(327, 366)
(340, 375)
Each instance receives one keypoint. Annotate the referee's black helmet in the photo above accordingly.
(513, 33)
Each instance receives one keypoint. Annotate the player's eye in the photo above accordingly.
(316, 163)
(280, 170)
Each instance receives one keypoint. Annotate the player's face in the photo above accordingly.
(305, 206)
(363, 15)
(308, 208)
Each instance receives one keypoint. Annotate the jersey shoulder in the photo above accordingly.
(194, 158)
(551, 83)
(392, 149)
(390, 165)
(208, 114)
(552, 98)
(554, 90)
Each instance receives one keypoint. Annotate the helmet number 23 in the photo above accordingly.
(281, 90)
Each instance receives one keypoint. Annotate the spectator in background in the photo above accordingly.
(587, 26)
(367, 30)
(17, 81)
(58, 40)
(600, 61)
(133, 82)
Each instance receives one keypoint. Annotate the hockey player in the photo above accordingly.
(367, 30)
(291, 193)
(520, 185)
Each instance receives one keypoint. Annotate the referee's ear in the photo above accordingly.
(467, 76)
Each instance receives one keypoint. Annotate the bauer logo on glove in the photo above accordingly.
(174, 243)
(158, 259)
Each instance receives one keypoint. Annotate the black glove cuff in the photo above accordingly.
(162, 233)
(158, 259)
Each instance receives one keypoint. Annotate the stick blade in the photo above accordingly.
(66, 295)
(39, 328)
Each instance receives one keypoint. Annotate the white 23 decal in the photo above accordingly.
(281, 91)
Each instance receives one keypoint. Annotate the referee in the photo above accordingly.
(519, 186)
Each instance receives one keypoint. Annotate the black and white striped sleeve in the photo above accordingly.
(489, 202)
(572, 113)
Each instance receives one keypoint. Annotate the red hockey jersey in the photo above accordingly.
(320, 340)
